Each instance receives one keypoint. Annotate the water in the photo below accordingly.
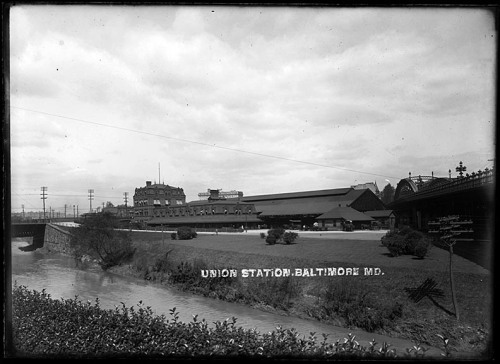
(58, 275)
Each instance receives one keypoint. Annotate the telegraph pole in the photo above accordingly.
(125, 198)
(74, 211)
(90, 199)
(64, 210)
(44, 197)
(23, 211)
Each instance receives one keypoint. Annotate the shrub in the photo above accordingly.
(271, 239)
(186, 233)
(422, 247)
(406, 242)
(289, 237)
(278, 233)
(173, 236)
(262, 235)
(69, 328)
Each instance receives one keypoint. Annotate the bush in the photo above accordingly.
(69, 328)
(289, 237)
(271, 239)
(279, 235)
(277, 232)
(406, 242)
(262, 235)
(186, 233)
(422, 247)
(173, 236)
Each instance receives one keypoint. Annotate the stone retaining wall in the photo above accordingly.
(57, 239)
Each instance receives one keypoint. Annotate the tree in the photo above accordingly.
(387, 195)
(97, 236)
(109, 204)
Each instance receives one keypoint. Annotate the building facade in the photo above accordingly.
(154, 199)
(159, 205)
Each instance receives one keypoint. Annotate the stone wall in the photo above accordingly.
(57, 239)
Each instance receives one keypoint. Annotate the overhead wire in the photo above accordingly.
(202, 143)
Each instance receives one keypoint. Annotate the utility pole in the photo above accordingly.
(44, 197)
(125, 198)
(23, 211)
(74, 211)
(90, 199)
(64, 210)
(77, 214)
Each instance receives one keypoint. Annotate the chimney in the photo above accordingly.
(148, 183)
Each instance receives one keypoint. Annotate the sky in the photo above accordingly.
(261, 100)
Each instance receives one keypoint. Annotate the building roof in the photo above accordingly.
(379, 213)
(346, 213)
(307, 203)
(292, 195)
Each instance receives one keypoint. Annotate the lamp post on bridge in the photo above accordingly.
(461, 169)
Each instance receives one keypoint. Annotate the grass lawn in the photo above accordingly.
(420, 321)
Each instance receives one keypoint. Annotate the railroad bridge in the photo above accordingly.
(418, 200)
(33, 229)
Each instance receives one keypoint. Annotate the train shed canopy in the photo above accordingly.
(344, 213)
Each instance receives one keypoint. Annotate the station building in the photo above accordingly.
(159, 205)
(309, 208)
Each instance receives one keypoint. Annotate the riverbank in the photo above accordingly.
(368, 294)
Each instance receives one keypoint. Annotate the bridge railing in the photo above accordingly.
(468, 182)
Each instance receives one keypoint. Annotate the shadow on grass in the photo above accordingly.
(438, 305)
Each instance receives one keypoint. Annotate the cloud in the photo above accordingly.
(259, 99)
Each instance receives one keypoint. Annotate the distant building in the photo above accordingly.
(154, 198)
(219, 194)
(370, 185)
(164, 206)
(120, 211)
(303, 208)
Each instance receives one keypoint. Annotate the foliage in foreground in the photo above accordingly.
(68, 327)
